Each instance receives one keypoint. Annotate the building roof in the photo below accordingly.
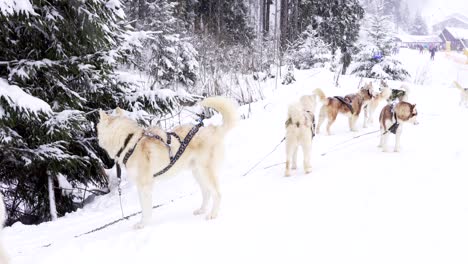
(457, 16)
(458, 33)
(419, 39)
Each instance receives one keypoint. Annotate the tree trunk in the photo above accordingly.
(283, 25)
(52, 206)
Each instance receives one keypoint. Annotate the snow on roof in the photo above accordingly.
(456, 16)
(458, 33)
(419, 39)
(11, 7)
(17, 98)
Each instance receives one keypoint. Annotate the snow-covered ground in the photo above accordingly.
(359, 205)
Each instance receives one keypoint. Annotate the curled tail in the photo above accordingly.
(457, 85)
(226, 107)
(321, 95)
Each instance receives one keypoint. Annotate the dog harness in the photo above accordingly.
(343, 100)
(172, 158)
(312, 117)
(395, 125)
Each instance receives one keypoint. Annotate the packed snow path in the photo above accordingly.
(359, 205)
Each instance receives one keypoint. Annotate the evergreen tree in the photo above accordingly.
(374, 59)
(419, 26)
(309, 51)
(57, 67)
(338, 24)
(168, 56)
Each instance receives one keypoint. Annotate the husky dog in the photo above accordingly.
(350, 105)
(3, 255)
(300, 129)
(151, 151)
(391, 120)
(463, 94)
(384, 94)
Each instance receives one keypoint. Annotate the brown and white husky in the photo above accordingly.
(300, 129)
(350, 105)
(392, 118)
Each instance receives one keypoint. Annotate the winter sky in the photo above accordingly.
(436, 10)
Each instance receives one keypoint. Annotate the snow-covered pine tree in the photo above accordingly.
(308, 51)
(338, 24)
(57, 61)
(167, 54)
(419, 26)
(374, 59)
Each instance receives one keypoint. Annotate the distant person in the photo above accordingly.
(433, 50)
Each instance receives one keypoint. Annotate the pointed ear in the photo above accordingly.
(414, 106)
(119, 111)
(103, 115)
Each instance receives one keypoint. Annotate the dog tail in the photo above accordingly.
(321, 95)
(407, 91)
(226, 107)
(457, 85)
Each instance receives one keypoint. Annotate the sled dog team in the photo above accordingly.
(300, 126)
(145, 153)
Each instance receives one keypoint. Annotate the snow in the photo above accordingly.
(359, 205)
(458, 33)
(17, 98)
(11, 7)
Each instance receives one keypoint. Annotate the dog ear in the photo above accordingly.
(119, 111)
(103, 115)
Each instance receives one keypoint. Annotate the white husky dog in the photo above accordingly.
(203, 155)
(3, 255)
(300, 129)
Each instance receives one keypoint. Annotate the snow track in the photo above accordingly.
(359, 205)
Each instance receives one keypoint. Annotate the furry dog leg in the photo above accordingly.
(291, 149)
(204, 191)
(294, 159)
(306, 147)
(322, 115)
(397, 139)
(145, 193)
(212, 184)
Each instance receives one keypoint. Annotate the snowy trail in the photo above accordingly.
(359, 205)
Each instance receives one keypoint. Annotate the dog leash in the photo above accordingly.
(256, 164)
(337, 146)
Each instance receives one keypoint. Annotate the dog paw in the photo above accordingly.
(294, 167)
(385, 150)
(199, 211)
(308, 170)
(396, 150)
(211, 216)
(139, 225)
